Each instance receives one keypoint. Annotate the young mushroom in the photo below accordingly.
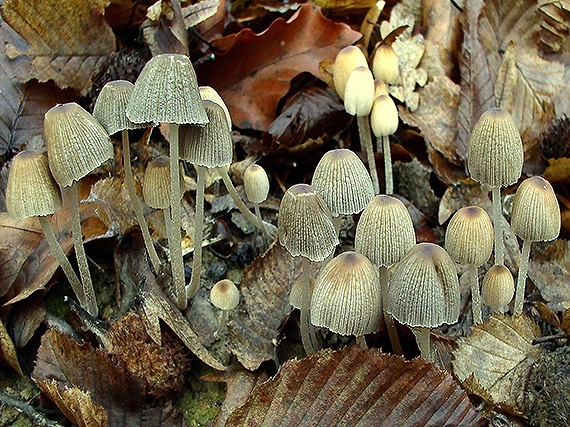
(225, 296)
(256, 186)
(384, 122)
(498, 288)
(385, 64)
(345, 62)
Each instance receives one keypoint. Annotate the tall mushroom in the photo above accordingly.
(384, 122)
(256, 186)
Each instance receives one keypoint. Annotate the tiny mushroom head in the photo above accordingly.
(346, 60)
(359, 92)
(498, 287)
(256, 183)
(156, 183)
(225, 295)
(384, 116)
(385, 64)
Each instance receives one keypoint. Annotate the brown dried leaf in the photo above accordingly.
(555, 26)
(164, 30)
(566, 321)
(197, 13)
(495, 359)
(67, 54)
(30, 314)
(345, 5)
(356, 386)
(255, 72)
(8, 350)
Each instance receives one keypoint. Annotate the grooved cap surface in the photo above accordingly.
(498, 287)
(469, 237)
(208, 93)
(256, 183)
(156, 183)
(111, 104)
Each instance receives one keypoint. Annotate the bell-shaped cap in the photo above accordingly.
(385, 65)
(495, 153)
(343, 182)
(385, 232)
(359, 92)
(346, 60)
(469, 236)
(305, 224)
(31, 189)
(76, 143)
(536, 213)
(256, 183)
(424, 289)
(209, 146)
(498, 287)
(156, 183)
(166, 91)
(208, 93)
(225, 295)
(347, 296)
(384, 116)
(111, 107)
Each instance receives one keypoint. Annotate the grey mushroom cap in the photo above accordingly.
(156, 183)
(111, 104)
(469, 236)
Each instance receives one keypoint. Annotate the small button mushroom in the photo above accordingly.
(346, 60)
(225, 296)
(384, 121)
(385, 64)
(498, 288)
(256, 186)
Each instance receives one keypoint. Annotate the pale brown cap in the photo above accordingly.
(76, 143)
(256, 183)
(156, 183)
(225, 295)
(31, 189)
(343, 182)
(385, 232)
(495, 153)
(346, 60)
(380, 88)
(305, 224)
(347, 296)
(208, 93)
(359, 92)
(498, 287)
(424, 289)
(209, 146)
(384, 116)
(469, 236)
(536, 214)
(166, 91)
(385, 64)
(111, 104)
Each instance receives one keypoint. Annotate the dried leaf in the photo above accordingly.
(8, 350)
(255, 72)
(67, 54)
(495, 359)
(197, 13)
(27, 319)
(345, 5)
(164, 30)
(555, 26)
(356, 386)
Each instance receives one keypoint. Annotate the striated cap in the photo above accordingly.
(536, 214)
(209, 146)
(385, 232)
(305, 225)
(156, 183)
(424, 289)
(225, 295)
(495, 153)
(346, 60)
(385, 64)
(76, 143)
(347, 296)
(384, 116)
(110, 107)
(208, 93)
(166, 91)
(256, 183)
(498, 287)
(343, 182)
(359, 92)
(31, 189)
(469, 236)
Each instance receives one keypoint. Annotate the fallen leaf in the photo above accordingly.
(27, 318)
(8, 350)
(357, 386)
(255, 72)
(555, 26)
(124, 14)
(67, 54)
(495, 359)
(197, 13)
(165, 32)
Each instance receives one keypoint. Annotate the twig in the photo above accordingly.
(37, 418)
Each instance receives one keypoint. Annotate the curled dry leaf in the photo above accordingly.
(164, 30)
(356, 386)
(8, 350)
(555, 27)
(495, 359)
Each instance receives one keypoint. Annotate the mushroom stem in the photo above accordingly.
(366, 143)
(135, 202)
(388, 165)
(361, 341)
(192, 288)
(473, 279)
(389, 319)
(424, 344)
(308, 336)
(174, 236)
(498, 225)
(258, 215)
(521, 279)
(62, 259)
(88, 291)
(223, 323)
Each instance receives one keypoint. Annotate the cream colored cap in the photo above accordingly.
(384, 116)
(225, 295)
(359, 92)
(208, 93)
(111, 104)
(469, 236)
(498, 287)
(385, 64)
(256, 183)
(346, 60)
(156, 183)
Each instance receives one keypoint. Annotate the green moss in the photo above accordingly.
(200, 401)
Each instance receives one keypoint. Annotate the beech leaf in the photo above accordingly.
(8, 350)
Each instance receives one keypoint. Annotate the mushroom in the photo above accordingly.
(385, 64)
(347, 298)
(469, 241)
(498, 288)
(535, 218)
(76, 145)
(256, 186)
(346, 60)
(110, 110)
(225, 296)
(384, 234)
(32, 192)
(166, 91)
(384, 121)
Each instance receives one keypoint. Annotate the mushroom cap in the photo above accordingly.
(256, 183)
(347, 296)
(166, 91)
(359, 92)
(343, 182)
(225, 295)
(385, 64)
(384, 116)
(424, 290)
(346, 60)
(385, 232)
(76, 143)
(498, 287)
(31, 189)
(156, 183)
(208, 93)
(305, 224)
(495, 153)
(469, 236)
(536, 214)
(111, 104)
(209, 146)
(380, 88)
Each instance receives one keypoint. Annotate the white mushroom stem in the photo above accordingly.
(361, 341)
(521, 279)
(136, 204)
(473, 279)
(424, 344)
(223, 323)
(88, 291)
(388, 318)
(366, 143)
(498, 225)
(387, 165)
(198, 232)
(308, 336)
(258, 215)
